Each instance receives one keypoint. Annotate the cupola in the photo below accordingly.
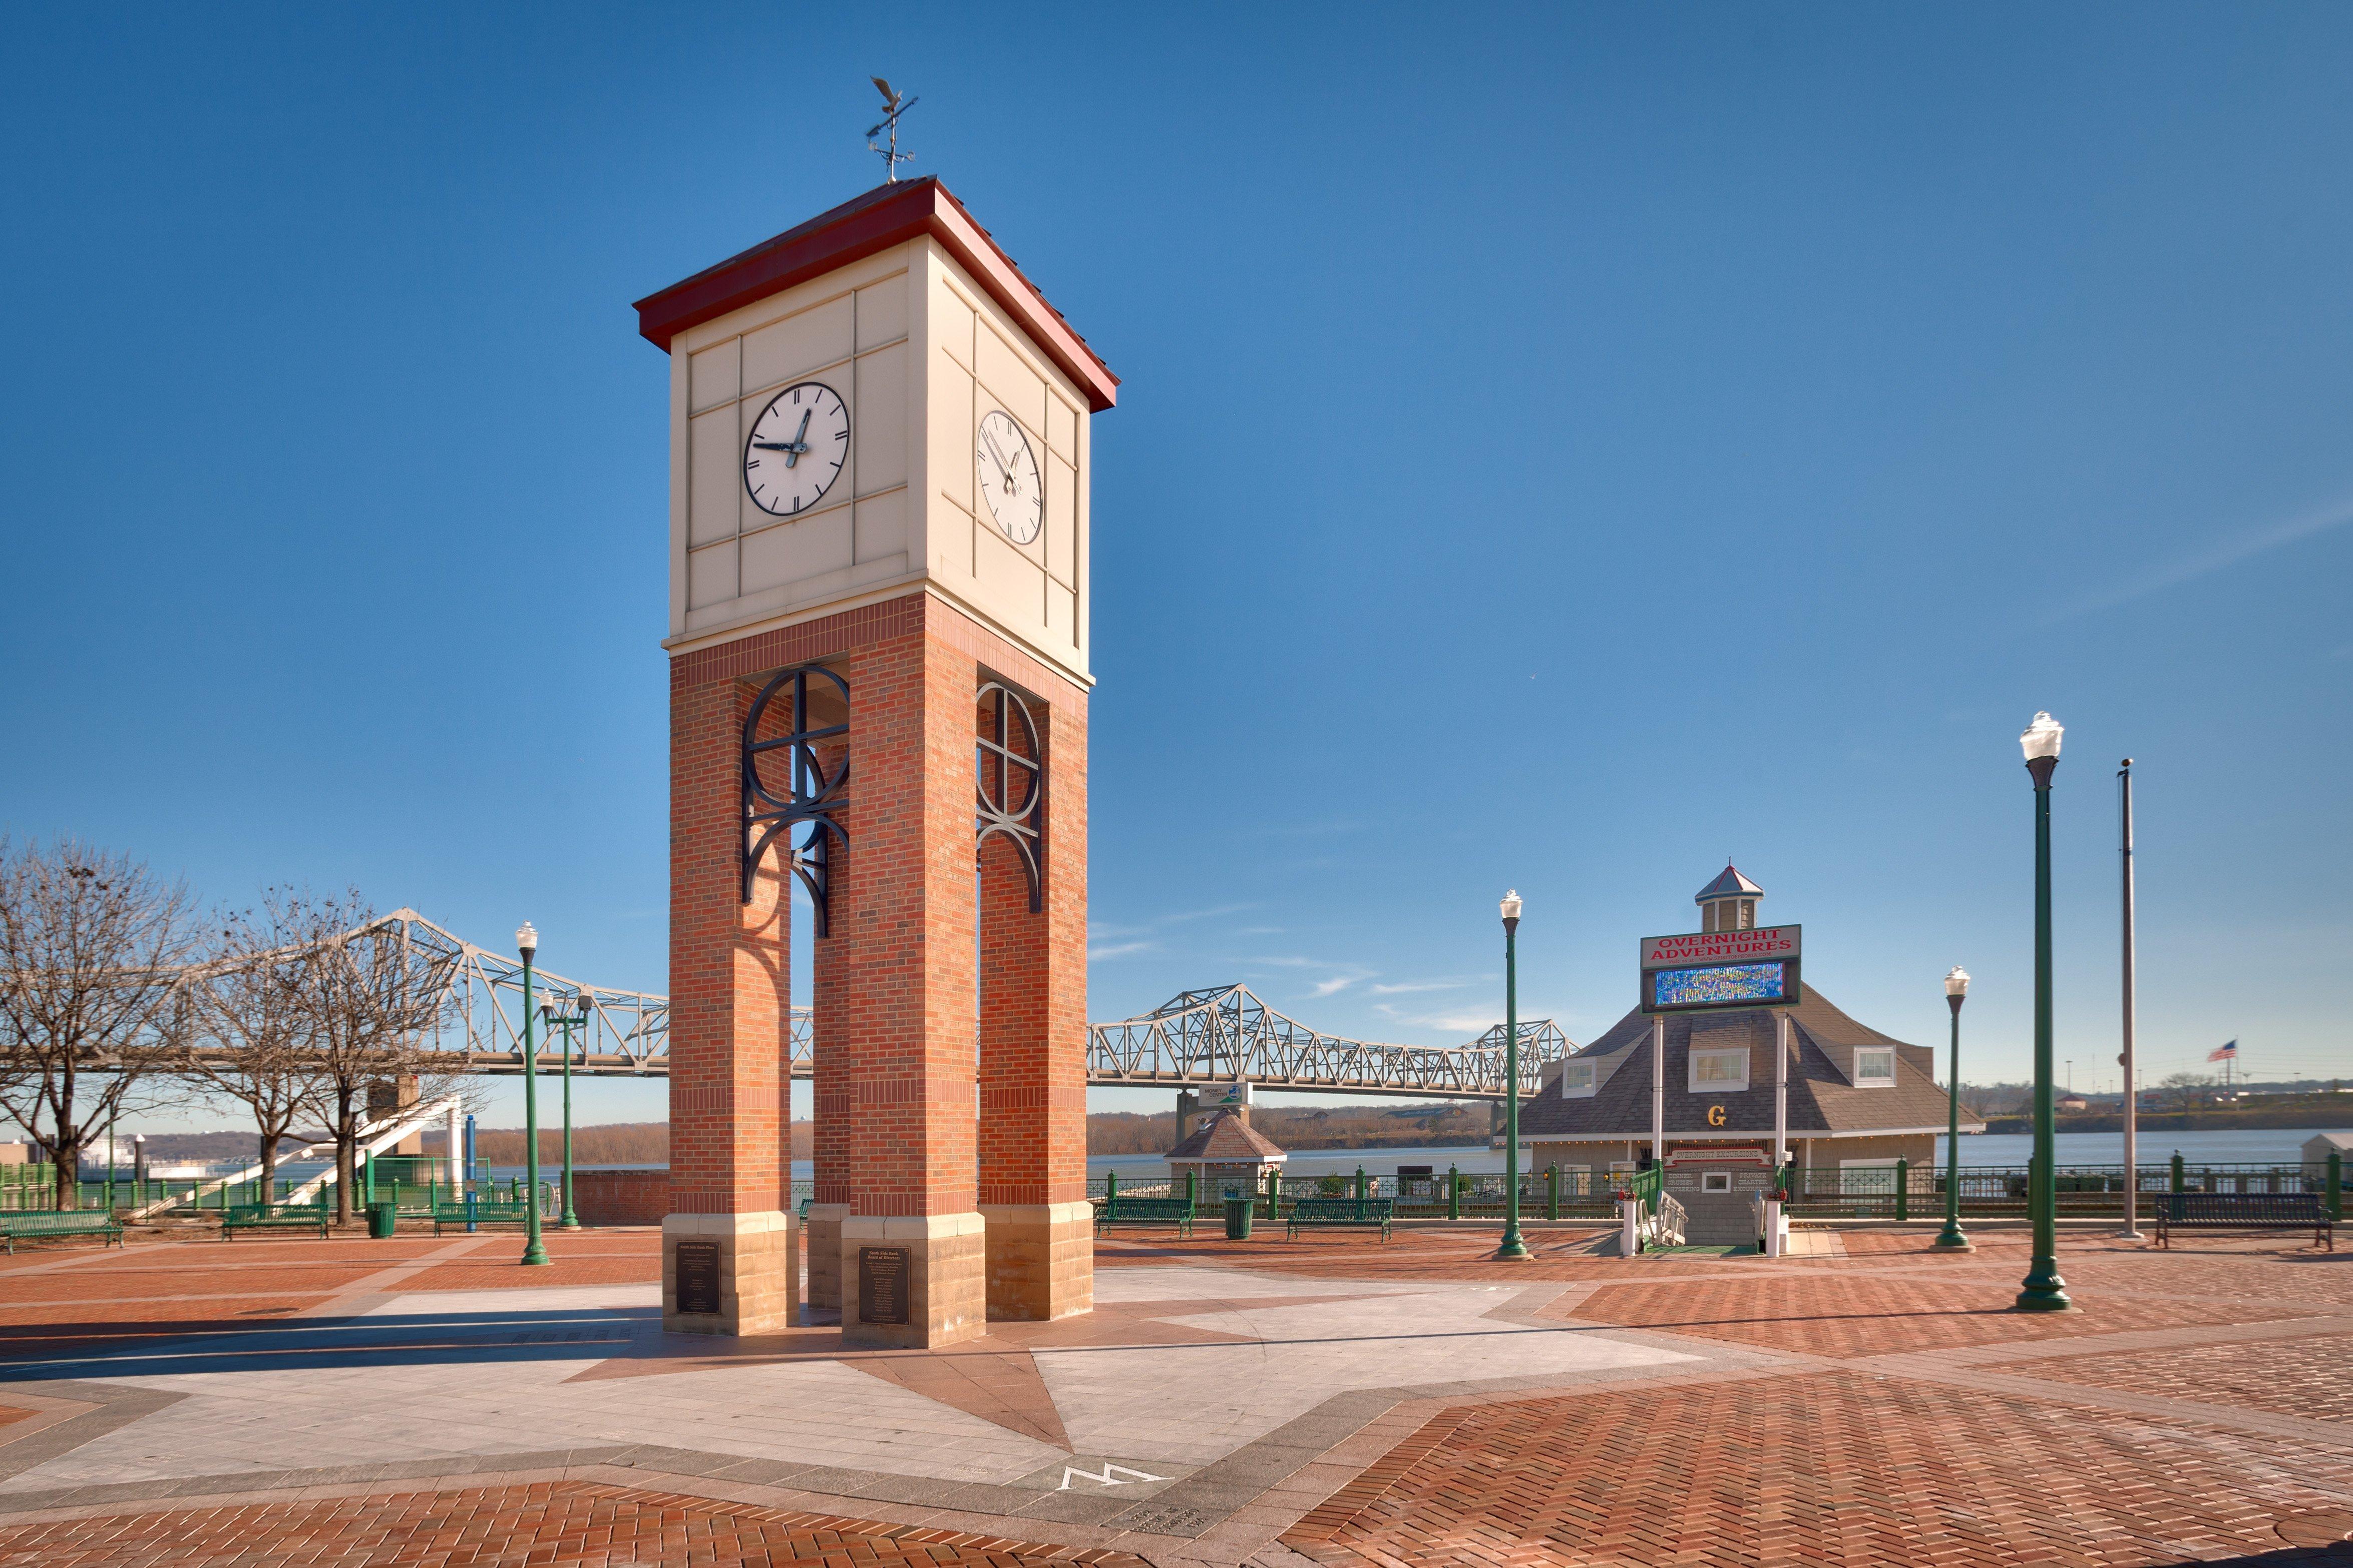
(1728, 903)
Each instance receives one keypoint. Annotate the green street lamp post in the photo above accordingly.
(1513, 1246)
(564, 1023)
(534, 1250)
(1957, 991)
(2043, 1290)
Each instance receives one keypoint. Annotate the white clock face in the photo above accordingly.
(797, 449)
(1008, 478)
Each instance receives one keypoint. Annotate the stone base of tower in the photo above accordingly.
(823, 1228)
(931, 1271)
(1041, 1260)
(757, 1263)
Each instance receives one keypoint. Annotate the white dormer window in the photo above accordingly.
(1719, 1072)
(1875, 1068)
(1576, 1080)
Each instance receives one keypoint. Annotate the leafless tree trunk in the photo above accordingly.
(92, 949)
(247, 1036)
(368, 1000)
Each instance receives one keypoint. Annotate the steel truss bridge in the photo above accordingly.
(1197, 1038)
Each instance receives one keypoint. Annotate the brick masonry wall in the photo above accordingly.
(730, 979)
(896, 1069)
(621, 1197)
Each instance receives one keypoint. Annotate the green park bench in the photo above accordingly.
(276, 1216)
(1124, 1210)
(1357, 1214)
(2244, 1211)
(31, 1223)
(484, 1212)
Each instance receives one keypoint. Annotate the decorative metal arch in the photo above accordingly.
(811, 797)
(1010, 787)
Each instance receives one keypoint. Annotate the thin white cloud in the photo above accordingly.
(1409, 988)
(1337, 984)
(1119, 950)
(2213, 558)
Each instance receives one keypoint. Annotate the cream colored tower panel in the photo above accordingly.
(736, 566)
(979, 363)
(919, 354)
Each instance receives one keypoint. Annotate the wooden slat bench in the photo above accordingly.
(2244, 1211)
(1356, 1214)
(30, 1224)
(276, 1216)
(485, 1213)
(1124, 1210)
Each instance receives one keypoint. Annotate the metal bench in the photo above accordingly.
(276, 1216)
(1355, 1214)
(503, 1212)
(2244, 1211)
(31, 1223)
(1177, 1212)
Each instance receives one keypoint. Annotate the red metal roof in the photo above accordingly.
(882, 217)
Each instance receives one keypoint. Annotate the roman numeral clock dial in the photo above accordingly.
(797, 449)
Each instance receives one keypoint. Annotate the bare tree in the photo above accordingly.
(368, 999)
(92, 949)
(2189, 1088)
(247, 1029)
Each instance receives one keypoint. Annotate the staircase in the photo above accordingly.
(1719, 1219)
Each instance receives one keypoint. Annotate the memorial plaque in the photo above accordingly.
(882, 1284)
(698, 1276)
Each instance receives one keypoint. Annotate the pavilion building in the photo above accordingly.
(1857, 1099)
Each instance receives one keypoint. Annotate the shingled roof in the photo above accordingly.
(1227, 1139)
(1823, 1100)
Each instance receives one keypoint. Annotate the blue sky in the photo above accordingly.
(1561, 451)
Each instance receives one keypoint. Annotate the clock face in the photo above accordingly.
(1008, 478)
(797, 449)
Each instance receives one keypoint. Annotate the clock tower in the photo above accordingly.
(879, 683)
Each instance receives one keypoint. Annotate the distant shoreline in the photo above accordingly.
(2307, 1117)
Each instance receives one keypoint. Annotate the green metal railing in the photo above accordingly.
(1900, 1191)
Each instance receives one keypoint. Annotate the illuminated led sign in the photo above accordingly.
(1702, 970)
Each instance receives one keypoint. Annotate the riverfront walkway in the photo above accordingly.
(1337, 1400)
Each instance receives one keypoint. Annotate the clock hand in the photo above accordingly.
(799, 444)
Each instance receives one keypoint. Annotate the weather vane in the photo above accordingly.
(896, 105)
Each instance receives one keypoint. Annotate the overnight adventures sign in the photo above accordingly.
(1703, 970)
(1767, 944)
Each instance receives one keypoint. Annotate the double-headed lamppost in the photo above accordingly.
(2043, 1290)
(1957, 991)
(1513, 1246)
(565, 1023)
(533, 1250)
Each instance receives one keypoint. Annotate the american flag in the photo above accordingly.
(2229, 1053)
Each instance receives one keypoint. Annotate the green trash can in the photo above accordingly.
(1237, 1217)
(382, 1218)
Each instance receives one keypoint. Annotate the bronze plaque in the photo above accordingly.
(881, 1284)
(698, 1276)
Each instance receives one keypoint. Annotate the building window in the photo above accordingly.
(1715, 1181)
(1719, 1072)
(1576, 1080)
(1747, 914)
(1875, 1068)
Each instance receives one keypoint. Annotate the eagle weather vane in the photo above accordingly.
(895, 104)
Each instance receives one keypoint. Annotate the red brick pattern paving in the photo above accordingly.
(1846, 1315)
(547, 1525)
(1830, 1467)
(1408, 1254)
(2311, 1377)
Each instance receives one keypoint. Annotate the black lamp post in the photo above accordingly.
(1513, 1246)
(1957, 991)
(2043, 1290)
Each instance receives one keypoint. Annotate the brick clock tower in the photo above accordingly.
(879, 678)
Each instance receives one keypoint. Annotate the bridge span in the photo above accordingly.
(1198, 1037)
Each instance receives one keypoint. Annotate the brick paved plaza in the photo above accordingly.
(1338, 1400)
